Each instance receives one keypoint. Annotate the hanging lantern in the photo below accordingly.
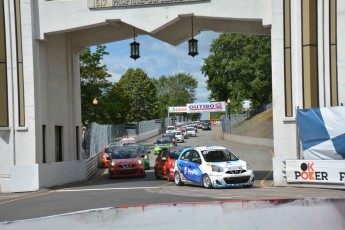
(193, 44)
(193, 47)
(135, 54)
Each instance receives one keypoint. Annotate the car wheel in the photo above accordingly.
(206, 181)
(178, 180)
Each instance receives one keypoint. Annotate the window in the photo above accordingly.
(20, 74)
(186, 156)
(77, 142)
(4, 122)
(44, 160)
(310, 54)
(58, 143)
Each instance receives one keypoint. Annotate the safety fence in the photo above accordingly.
(97, 136)
(239, 124)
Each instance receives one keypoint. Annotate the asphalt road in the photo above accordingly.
(101, 192)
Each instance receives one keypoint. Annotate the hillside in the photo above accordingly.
(261, 125)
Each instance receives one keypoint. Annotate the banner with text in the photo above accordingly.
(317, 171)
(206, 107)
(178, 109)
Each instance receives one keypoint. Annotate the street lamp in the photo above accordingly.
(228, 103)
(95, 103)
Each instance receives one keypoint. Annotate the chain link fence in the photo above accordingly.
(97, 136)
(239, 125)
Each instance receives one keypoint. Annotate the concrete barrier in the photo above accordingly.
(263, 142)
(271, 214)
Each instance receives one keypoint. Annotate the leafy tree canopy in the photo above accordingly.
(239, 68)
(175, 90)
(142, 95)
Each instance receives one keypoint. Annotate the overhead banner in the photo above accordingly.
(322, 133)
(178, 109)
(206, 107)
(318, 171)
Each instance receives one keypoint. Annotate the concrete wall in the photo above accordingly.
(266, 215)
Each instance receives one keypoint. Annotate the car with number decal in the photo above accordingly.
(212, 167)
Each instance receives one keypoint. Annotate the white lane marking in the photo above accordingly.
(102, 189)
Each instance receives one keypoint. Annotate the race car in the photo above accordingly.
(212, 167)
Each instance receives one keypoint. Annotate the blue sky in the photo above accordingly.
(158, 58)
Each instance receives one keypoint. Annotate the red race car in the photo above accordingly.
(125, 162)
(165, 162)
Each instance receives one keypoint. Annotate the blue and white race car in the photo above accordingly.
(212, 167)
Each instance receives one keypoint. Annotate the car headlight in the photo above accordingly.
(249, 167)
(113, 163)
(139, 162)
(145, 157)
(216, 168)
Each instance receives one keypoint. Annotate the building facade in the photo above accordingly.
(40, 41)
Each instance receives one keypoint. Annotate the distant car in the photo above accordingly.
(125, 162)
(162, 142)
(200, 125)
(165, 162)
(195, 126)
(128, 141)
(206, 126)
(191, 131)
(179, 136)
(171, 136)
(170, 129)
(212, 167)
(144, 154)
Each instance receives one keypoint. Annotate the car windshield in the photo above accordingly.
(163, 141)
(178, 133)
(124, 154)
(190, 129)
(175, 153)
(171, 128)
(219, 155)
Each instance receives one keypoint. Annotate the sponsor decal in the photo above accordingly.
(206, 106)
(190, 171)
(177, 109)
(308, 173)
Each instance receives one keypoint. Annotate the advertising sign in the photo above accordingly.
(179, 109)
(315, 171)
(206, 107)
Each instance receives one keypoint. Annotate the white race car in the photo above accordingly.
(213, 166)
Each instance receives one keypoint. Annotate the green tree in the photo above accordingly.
(175, 90)
(93, 83)
(142, 95)
(239, 68)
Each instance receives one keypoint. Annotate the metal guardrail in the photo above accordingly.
(92, 165)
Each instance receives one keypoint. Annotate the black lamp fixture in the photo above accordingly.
(193, 44)
(135, 48)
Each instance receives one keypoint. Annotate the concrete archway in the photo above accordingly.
(43, 39)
